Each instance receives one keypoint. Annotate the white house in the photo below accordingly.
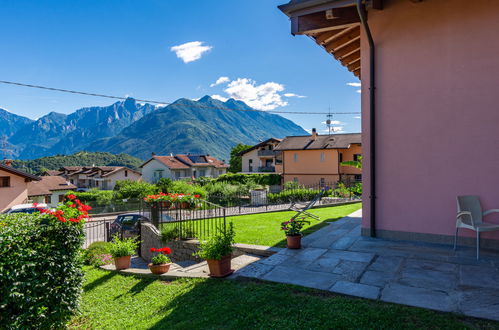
(101, 177)
(49, 190)
(261, 157)
(182, 166)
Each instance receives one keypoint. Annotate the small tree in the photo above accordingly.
(353, 163)
(235, 159)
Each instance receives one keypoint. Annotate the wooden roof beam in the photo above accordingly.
(354, 66)
(336, 18)
(347, 50)
(328, 36)
(343, 40)
(350, 58)
(357, 72)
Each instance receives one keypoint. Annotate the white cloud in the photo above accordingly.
(294, 95)
(221, 80)
(219, 97)
(190, 51)
(354, 84)
(262, 97)
(334, 122)
(359, 90)
(356, 117)
(160, 105)
(334, 129)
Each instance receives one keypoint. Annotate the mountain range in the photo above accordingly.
(207, 126)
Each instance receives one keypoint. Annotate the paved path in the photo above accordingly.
(336, 258)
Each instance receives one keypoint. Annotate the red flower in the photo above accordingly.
(152, 249)
(165, 250)
(71, 196)
(197, 196)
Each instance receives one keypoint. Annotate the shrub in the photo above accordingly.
(218, 245)
(296, 195)
(126, 189)
(94, 196)
(256, 178)
(98, 254)
(292, 185)
(164, 185)
(40, 270)
(341, 191)
(171, 232)
(184, 187)
(123, 247)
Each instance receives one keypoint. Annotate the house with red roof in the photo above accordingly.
(49, 190)
(182, 166)
(100, 177)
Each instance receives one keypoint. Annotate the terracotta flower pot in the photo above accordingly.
(294, 242)
(159, 269)
(122, 262)
(220, 268)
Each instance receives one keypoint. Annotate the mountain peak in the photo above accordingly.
(205, 99)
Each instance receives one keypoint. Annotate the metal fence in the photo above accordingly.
(115, 206)
(97, 231)
(176, 221)
(257, 201)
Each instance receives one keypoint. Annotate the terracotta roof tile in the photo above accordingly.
(333, 141)
(47, 184)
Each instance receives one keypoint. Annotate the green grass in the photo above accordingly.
(265, 228)
(114, 301)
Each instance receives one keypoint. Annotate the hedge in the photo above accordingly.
(40, 271)
(267, 179)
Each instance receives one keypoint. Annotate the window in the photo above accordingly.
(177, 174)
(4, 181)
(295, 179)
(202, 173)
(61, 198)
(322, 182)
(323, 157)
(126, 173)
(358, 178)
(295, 157)
(48, 199)
(341, 157)
(356, 157)
(250, 165)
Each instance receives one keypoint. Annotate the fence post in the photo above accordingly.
(225, 222)
(107, 231)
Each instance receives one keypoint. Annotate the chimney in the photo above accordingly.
(314, 134)
(8, 162)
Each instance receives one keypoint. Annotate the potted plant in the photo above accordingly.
(293, 228)
(122, 250)
(217, 252)
(160, 263)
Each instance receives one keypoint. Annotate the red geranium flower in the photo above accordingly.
(152, 249)
(71, 196)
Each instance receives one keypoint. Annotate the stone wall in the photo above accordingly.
(183, 249)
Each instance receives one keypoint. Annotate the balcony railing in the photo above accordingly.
(266, 169)
(266, 153)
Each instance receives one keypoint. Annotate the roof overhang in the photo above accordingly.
(332, 24)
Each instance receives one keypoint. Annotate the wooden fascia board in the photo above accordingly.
(318, 22)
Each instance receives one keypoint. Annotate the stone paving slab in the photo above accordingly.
(356, 289)
(336, 258)
(307, 278)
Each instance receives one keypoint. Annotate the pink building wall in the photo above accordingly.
(17, 193)
(437, 113)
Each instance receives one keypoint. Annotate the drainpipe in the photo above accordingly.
(372, 124)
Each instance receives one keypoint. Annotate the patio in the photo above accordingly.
(336, 258)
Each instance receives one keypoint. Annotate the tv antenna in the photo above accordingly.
(329, 121)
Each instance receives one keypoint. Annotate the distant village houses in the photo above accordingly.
(308, 160)
(49, 190)
(100, 177)
(176, 167)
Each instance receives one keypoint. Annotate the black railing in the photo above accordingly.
(177, 221)
(258, 201)
(97, 231)
(115, 206)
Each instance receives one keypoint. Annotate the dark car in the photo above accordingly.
(127, 225)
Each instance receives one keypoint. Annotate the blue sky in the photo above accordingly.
(124, 48)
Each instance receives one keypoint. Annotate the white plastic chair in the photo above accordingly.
(470, 216)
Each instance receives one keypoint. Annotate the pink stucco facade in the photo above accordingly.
(437, 113)
(16, 193)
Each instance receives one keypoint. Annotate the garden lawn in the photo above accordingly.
(265, 228)
(114, 301)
